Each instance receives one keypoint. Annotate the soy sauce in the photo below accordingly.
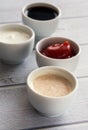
(41, 13)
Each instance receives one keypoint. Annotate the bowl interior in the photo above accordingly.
(48, 41)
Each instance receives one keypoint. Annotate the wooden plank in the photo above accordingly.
(83, 126)
(17, 113)
(75, 29)
(73, 8)
(17, 74)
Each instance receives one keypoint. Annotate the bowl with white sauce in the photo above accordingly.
(16, 42)
(51, 90)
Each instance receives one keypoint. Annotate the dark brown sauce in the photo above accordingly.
(41, 13)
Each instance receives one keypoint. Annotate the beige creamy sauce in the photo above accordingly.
(52, 85)
(13, 36)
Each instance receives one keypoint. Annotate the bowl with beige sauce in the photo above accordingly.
(51, 90)
(16, 42)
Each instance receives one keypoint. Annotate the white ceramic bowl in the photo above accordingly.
(51, 106)
(12, 52)
(42, 28)
(68, 63)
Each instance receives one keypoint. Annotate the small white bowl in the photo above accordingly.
(51, 106)
(42, 28)
(14, 52)
(68, 63)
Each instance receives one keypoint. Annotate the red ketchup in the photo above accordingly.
(59, 51)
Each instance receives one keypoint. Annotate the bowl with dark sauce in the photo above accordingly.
(42, 17)
(58, 51)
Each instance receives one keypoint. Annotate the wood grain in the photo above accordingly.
(17, 113)
(75, 29)
(17, 74)
(79, 126)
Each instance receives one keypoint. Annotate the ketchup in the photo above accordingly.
(59, 51)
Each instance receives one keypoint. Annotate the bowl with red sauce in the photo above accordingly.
(58, 51)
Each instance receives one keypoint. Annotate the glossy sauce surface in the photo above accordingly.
(59, 51)
(41, 13)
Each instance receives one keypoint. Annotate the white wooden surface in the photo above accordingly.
(15, 110)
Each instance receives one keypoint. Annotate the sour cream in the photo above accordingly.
(13, 36)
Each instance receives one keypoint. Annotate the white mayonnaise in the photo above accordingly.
(13, 36)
